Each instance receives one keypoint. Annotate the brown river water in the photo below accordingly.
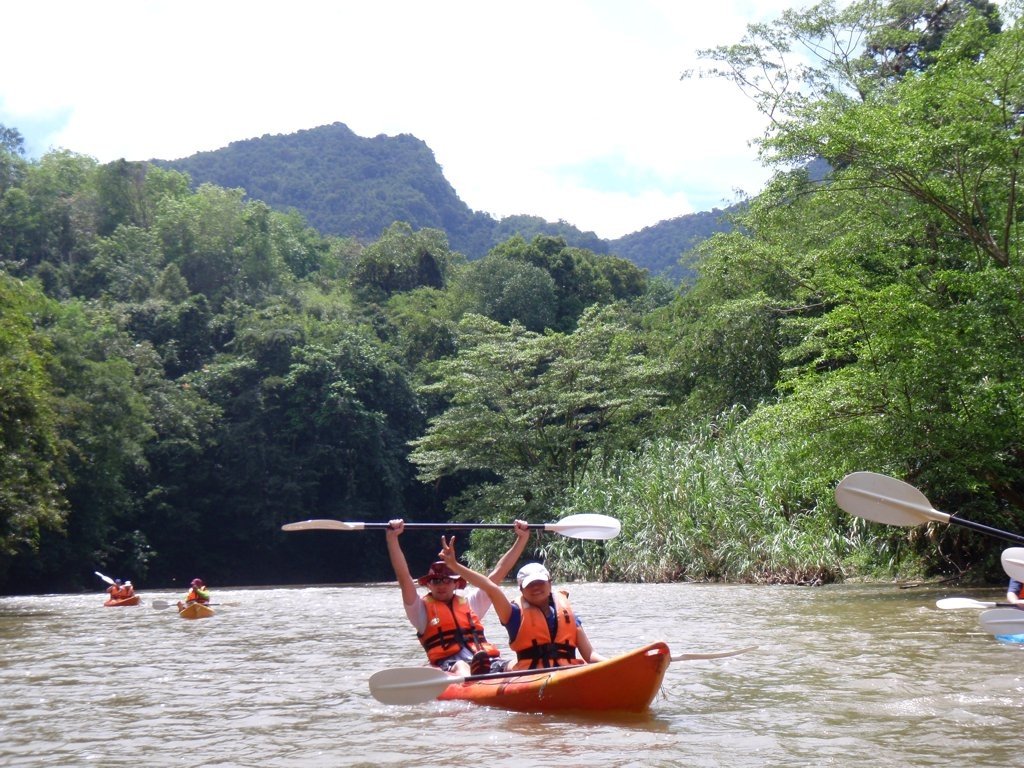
(842, 676)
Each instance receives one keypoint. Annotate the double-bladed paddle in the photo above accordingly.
(105, 578)
(415, 685)
(1003, 621)
(953, 603)
(161, 605)
(883, 499)
(1013, 562)
(583, 526)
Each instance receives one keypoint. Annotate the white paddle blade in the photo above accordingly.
(1013, 562)
(322, 525)
(953, 603)
(105, 578)
(883, 499)
(410, 685)
(586, 526)
(713, 654)
(1003, 621)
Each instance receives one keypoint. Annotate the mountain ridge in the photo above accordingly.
(353, 186)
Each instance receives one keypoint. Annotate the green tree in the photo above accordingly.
(897, 326)
(32, 450)
(528, 413)
(401, 260)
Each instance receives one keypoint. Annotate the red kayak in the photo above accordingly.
(626, 683)
(133, 600)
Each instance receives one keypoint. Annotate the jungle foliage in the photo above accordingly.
(185, 368)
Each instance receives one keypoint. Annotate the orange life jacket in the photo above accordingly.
(534, 644)
(450, 626)
(197, 596)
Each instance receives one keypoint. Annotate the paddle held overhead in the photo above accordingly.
(105, 578)
(584, 526)
(883, 499)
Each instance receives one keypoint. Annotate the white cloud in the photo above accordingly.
(523, 104)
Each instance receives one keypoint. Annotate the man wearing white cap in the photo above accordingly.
(542, 628)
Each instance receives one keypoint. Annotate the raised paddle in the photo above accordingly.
(953, 603)
(105, 578)
(1013, 562)
(1003, 621)
(883, 499)
(416, 685)
(583, 526)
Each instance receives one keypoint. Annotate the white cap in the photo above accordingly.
(127, 583)
(530, 573)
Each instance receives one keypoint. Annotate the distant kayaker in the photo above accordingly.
(448, 624)
(542, 628)
(120, 590)
(197, 593)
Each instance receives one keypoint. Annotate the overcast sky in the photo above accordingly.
(565, 109)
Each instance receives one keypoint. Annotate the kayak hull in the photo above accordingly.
(625, 683)
(196, 611)
(133, 600)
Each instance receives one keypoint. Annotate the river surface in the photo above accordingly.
(842, 676)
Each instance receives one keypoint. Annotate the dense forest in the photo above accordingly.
(185, 368)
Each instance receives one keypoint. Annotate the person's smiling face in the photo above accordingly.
(442, 589)
(537, 593)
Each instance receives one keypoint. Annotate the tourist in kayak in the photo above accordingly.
(542, 628)
(448, 624)
(120, 591)
(197, 593)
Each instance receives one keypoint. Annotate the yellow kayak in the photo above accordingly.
(195, 611)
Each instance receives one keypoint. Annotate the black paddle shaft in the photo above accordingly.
(986, 529)
(457, 526)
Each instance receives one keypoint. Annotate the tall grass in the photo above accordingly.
(713, 508)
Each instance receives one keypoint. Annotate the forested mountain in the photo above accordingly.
(352, 186)
(185, 368)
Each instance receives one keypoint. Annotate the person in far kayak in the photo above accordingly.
(197, 593)
(120, 590)
(542, 628)
(448, 624)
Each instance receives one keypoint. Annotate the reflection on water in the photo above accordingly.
(843, 676)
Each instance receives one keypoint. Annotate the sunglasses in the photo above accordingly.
(439, 581)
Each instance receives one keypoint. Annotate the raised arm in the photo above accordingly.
(510, 558)
(398, 563)
(502, 607)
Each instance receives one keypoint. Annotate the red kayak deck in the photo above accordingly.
(133, 600)
(626, 683)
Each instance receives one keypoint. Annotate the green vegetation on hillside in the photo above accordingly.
(185, 368)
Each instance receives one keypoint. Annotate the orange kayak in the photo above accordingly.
(133, 600)
(195, 611)
(626, 683)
